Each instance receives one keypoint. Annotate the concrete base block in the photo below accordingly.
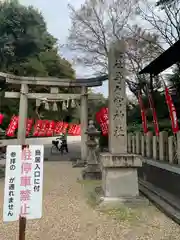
(119, 175)
(120, 182)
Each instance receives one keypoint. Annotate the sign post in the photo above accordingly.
(22, 228)
(23, 106)
(23, 185)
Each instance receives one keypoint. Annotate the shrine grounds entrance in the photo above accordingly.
(25, 83)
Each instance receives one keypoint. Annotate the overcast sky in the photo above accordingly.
(56, 15)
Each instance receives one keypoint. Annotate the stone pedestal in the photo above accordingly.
(119, 176)
(92, 171)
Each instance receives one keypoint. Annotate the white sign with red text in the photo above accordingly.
(25, 168)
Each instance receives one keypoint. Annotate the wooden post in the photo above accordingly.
(23, 106)
(163, 138)
(149, 144)
(138, 143)
(22, 228)
(155, 148)
(143, 149)
(171, 149)
(178, 147)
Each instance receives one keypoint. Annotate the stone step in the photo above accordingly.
(164, 195)
(166, 203)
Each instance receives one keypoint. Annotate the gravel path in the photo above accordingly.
(66, 215)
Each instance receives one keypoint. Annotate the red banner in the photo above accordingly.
(65, 126)
(77, 130)
(143, 115)
(172, 111)
(29, 124)
(37, 128)
(155, 121)
(12, 126)
(74, 130)
(71, 129)
(50, 130)
(43, 128)
(1, 118)
(58, 127)
(102, 119)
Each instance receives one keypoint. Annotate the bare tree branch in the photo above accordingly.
(98, 23)
(165, 21)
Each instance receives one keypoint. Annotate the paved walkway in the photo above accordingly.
(66, 216)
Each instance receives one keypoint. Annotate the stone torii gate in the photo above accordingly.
(54, 94)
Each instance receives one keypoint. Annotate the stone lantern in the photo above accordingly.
(92, 169)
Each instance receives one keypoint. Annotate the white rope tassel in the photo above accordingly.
(73, 104)
(55, 107)
(38, 102)
(64, 105)
(46, 106)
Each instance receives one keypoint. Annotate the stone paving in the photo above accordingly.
(67, 216)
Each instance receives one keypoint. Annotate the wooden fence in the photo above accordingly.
(163, 148)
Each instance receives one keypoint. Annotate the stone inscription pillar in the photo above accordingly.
(119, 168)
(117, 100)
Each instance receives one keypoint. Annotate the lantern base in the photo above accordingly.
(78, 163)
(92, 172)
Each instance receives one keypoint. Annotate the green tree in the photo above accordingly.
(27, 49)
(26, 46)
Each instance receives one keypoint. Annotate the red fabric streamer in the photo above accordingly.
(71, 129)
(37, 128)
(155, 121)
(77, 131)
(143, 115)
(29, 124)
(58, 127)
(13, 125)
(50, 130)
(44, 127)
(172, 111)
(1, 118)
(74, 129)
(65, 126)
(102, 119)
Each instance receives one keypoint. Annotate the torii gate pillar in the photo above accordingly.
(84, 122)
